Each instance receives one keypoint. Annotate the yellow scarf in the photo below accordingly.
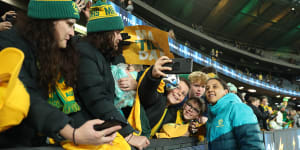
(155, 128)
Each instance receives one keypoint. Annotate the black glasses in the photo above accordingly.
(194, 110)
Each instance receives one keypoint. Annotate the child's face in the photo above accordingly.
(197, 89)
(177, 95)
(191, 110)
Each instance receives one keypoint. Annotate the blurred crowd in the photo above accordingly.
(277, 117)
(247, 46)
(268, 77)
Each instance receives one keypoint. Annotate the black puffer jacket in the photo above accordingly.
(96, 86)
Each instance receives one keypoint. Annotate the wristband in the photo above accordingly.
(74, 141)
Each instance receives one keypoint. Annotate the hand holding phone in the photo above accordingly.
(194, 126)
(158, 68)
(108, 124)
(80, 4)
(86, 134)
(9, 16)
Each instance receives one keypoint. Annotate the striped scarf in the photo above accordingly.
(63, 98)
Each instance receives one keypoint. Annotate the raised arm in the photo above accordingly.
(149, 83)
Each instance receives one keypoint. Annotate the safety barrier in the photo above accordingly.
(177, 143)
(287, 139)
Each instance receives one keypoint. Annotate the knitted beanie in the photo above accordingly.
(52, 9)
(103, 17)
(231, 87)
(285, 99)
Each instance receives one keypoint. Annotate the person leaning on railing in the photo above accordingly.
(98, 51)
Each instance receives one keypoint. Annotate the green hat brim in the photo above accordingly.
(105, 24)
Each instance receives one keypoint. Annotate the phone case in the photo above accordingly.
(180, 66)
(108, 124)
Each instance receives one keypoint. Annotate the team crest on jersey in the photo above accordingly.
(220, 123)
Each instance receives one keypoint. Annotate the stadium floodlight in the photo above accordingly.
(251, 90)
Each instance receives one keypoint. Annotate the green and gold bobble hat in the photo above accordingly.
(53, 9)
(103, 17)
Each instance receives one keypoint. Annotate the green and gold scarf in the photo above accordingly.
(63, 98)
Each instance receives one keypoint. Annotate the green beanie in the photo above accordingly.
(53, 9)
(104, 18)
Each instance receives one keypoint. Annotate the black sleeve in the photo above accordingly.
(1, 20)
(94, 91)
(264, 114)
(118, 59)
(260, 114)
(257, 112)
(42, 116)
(148, 89)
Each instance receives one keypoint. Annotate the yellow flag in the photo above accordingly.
(147, 45)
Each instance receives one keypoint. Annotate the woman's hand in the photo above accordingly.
(87, 135)
(86, 11)
(5, 25)
(203, 120)
(80, 5)
(139, 142)
(127, 83)
(12, 13)
(193, 127)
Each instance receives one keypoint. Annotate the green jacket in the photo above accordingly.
(42, 117)
(96, 86)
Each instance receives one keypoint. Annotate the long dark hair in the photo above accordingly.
(104, 42)
(52, 61)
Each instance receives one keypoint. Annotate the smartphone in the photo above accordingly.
(108, 124)
(10, 18)
(180, 66)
